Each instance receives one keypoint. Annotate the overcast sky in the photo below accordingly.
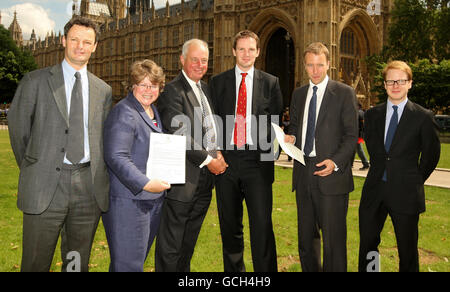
(44, 16)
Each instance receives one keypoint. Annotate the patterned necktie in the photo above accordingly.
(390, 134)
(311, 127)
(75, 142)
(240, 125)
(207, 125)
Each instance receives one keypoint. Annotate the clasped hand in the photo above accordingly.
(217, 165)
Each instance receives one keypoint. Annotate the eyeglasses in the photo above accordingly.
(398, 82)
(152, 87)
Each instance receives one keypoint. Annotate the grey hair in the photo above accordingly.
(190, 42)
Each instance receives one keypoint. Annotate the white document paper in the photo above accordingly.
(167, 158)
(288, 148)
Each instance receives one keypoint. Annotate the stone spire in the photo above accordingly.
(16, 31)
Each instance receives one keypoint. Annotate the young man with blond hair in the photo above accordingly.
(404, 148)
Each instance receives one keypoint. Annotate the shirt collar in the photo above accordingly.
(401, 105)
(70, 71)
(189, 80)
(250, 72)
(322, 85)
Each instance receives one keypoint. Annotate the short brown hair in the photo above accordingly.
(317, 49)
(399, 65)
(147, 68)
(83, 21)
(245, 34)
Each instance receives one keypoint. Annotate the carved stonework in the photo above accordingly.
(159, 34)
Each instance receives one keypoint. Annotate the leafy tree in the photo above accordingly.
(410, 31)
(14, 63)
(430, 84)
(419, 33)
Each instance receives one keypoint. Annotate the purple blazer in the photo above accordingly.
(126, 146)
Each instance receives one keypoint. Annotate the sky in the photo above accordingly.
(44, 16)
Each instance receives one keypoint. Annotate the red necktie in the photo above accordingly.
(240, 126)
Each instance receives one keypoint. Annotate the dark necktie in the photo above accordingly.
(207, 125)
(311, 127)
(390, 134)
(240, 126)
(75, 142)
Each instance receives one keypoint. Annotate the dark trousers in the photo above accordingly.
(244, 179)
(130, 227)
(74, 214)
(316, 212)
(180, 226)
(361, 154)
(371, 222)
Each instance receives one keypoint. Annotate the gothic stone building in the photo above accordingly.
(351, 29)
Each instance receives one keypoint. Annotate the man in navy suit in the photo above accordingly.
(404, 148)
(324, 123)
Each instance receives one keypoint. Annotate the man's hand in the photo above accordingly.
(329, 168)
(156, 186)
(289, 139)
(217, 165)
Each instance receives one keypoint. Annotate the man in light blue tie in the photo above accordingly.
(403, 144)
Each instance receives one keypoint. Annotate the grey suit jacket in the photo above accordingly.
(336, 135)
(38, 126)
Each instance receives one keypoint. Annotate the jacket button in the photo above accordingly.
(388, 158)
(58, 169)
(66, 131)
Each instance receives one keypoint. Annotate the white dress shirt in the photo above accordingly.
(249, 89)
(320, 92)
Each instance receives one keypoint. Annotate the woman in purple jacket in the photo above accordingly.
(132, 221)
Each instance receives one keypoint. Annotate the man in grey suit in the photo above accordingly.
(325, 126)
(56, 129)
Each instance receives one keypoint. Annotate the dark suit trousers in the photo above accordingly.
(74, 213)
(244, 179)
(180, 226)
(316, 212)
(371, 222)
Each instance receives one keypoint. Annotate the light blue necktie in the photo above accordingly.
(390, 134)
(311, 127)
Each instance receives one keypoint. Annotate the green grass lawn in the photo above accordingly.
(434, 234)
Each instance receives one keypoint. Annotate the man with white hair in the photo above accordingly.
(185, 109)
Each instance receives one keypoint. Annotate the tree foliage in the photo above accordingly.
(430, 86)
(419, 33)
(14, 63)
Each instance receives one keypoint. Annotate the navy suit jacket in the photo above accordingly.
(126, 147)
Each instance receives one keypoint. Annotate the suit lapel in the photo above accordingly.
(231, 93)
(381, 120)
(405, 120)
(56, 82)
(257, 91)
(144, 115)
(95, 103)
(301, 112)
(191, 96)
(326, 100)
